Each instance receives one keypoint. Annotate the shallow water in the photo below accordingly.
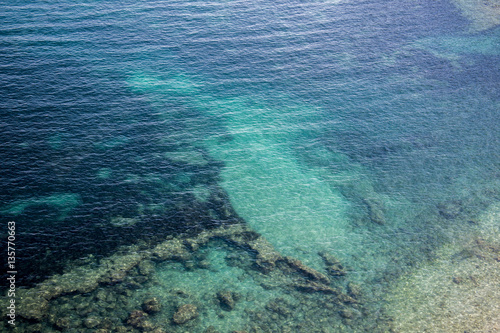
(368, 130)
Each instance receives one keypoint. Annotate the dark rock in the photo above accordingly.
(450, 210)
(312, 287)
(226, 300)
(347, 313)
(308, 272)
(159, 330)
(63, 323)
(33, 307)
(333, 265)
(346, 299)
(189, 265)
(35, 328)
(354, 290)
(107, 323)
(185, 313)
(375, 211)
(137, 318)
(211, 329)
(173, 249)
(204, 264)
(101, 295)
(117, 276)
(147, 325)
(280, 307)
(266, 255)
(151, 305)
(92, 322)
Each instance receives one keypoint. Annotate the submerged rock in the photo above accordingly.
(173, 249)
(280, 307)
(92, 322)
(226, 300)
(146, 267)
(333, 265)
(375, 211)
(266, 254)
(63, 323)
(185, 313)
(354, 290)
(151, 305)
(159, 330)
(312, 287)
(450, 210)
(349, 313)
(137, 318)
(33, 307)
(308, 272)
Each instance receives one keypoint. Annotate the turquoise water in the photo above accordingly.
(365, 129)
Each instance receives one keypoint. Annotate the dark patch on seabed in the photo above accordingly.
(86, 190)
(54, 247)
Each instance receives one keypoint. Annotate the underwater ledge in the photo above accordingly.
(114, 296)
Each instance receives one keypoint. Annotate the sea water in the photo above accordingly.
(367, 129)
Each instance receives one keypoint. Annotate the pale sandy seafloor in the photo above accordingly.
(460, 290)
(457, 292)
(483, 14)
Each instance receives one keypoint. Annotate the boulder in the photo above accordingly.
(333, 265)
(137, 318)
(375, 211)
(185, 313)
(226, 300)
(151, 305)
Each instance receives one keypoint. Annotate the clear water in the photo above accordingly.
(368, 129)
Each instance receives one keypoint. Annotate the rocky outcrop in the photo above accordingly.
(151, 305)
(375, 212)
(137, 318)
(112, 282)
(306, 271)
(266, 255)
(313, 287)
(185, 313)
(332, 264)
(226, 300)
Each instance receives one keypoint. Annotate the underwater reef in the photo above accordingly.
(116, 295)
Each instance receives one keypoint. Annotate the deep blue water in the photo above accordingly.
(126, 121)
